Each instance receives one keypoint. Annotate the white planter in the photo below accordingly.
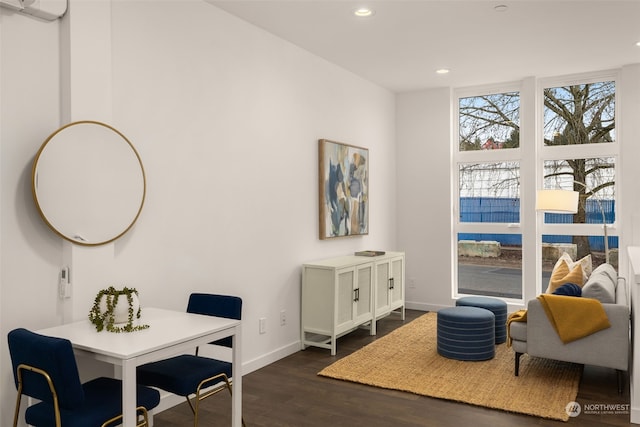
(121, 308)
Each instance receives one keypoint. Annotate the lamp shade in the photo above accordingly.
(557, 201)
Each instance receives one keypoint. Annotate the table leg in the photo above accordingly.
(129, 393)
(236, 415)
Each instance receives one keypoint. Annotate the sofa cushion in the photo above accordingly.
(601, 285)
(609, 271)
(584, 262)
(569, 289)
(562, 274)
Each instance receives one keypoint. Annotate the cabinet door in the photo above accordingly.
(383, 274)
(344, 299)
(363, 293)
(397, 285)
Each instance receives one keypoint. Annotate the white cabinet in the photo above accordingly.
(340, 294)
(389, 284)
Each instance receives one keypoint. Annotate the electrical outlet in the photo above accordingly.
(283, 317)
(263, 325)
(412, 283)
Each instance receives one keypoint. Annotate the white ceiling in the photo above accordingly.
(402, 45)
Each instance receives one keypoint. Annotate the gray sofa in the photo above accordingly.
(607, 348)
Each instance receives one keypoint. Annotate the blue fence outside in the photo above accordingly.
(507, 210)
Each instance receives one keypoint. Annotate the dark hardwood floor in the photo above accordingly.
(290, 393)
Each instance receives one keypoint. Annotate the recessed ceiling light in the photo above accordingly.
(442, 71)
(501, 8)
(363, 12)
(638, 44)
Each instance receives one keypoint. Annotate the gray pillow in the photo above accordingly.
(609, 271)
(601, 287)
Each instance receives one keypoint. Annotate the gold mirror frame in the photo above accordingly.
(88, 183)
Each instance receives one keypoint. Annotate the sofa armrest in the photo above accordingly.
(608, 348)
(622, 294)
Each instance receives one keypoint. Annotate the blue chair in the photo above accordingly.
(190, 374)
(45, 368)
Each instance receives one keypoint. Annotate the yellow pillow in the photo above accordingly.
(585, 262)
(561, 274)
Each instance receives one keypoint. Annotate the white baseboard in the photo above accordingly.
(420, 306)
(268, 358)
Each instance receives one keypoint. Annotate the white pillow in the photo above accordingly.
(601, 287)
(609, 271)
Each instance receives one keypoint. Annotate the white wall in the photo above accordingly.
(29, 111)
(630, 135)
(424, 196)
(226, 119)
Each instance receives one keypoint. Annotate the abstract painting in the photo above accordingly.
(344, 189)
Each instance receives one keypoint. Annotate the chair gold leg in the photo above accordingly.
(193, 410)
(54, 395)
(199, 396)
(144, 422)
(17, 412)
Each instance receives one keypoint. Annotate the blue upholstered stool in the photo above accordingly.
(466, 333)
(499, 309)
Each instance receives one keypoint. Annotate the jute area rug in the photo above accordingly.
(407, 360)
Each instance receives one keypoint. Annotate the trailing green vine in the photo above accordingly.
(106, 320)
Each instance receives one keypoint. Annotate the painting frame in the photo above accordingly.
(343, 189)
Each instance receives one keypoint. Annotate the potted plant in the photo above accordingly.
(112, 313)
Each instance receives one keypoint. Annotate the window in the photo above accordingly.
(488, 192)
(489, 122)
(579, 114)
(488, 164)
(575, 148)
(579, 153)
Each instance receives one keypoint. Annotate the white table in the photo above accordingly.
(169, 333)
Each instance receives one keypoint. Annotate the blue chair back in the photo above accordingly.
(53, 355)
(215, 305)
(226, 306)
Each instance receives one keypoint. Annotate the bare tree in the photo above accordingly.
(581, 114)
(494, 117)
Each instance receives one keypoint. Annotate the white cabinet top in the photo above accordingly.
(634, 259)
(350, 260)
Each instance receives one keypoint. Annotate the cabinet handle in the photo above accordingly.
(391, 285)
(356, 294)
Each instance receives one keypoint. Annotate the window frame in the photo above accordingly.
(480, 156)
(583, 151)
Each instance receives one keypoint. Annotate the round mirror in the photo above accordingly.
(88, 183)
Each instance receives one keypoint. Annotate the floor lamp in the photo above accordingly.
(566, 201)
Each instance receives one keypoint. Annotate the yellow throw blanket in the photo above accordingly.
(518, 316)
(572, 317)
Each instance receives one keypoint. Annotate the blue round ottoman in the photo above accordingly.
(496, 306)
(466, 333)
